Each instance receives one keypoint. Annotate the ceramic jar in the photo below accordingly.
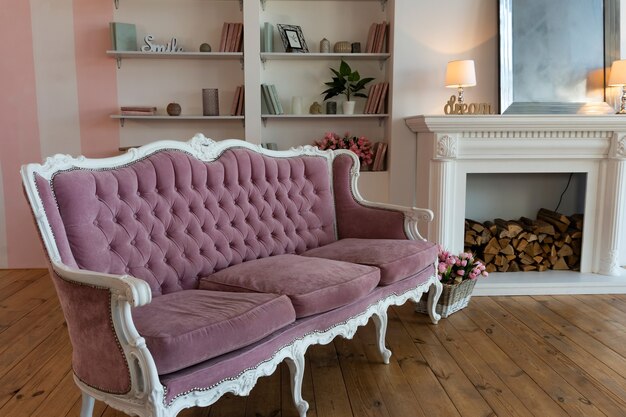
(324, 46)
(342, 47)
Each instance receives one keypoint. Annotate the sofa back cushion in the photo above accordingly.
(171, 218)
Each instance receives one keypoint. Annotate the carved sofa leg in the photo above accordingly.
(296, 369)
(86, 409)
(434, 293)
(380, 321)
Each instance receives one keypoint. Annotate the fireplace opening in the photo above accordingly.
(525, 222)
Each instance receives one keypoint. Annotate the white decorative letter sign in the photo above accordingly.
(171, 46)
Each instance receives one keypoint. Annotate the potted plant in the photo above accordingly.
(348, 83)
(458, 274)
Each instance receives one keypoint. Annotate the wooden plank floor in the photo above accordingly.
(506, 356)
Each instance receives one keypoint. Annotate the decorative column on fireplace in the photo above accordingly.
(450, 147)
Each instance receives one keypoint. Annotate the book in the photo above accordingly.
(374, 155)
(223, 38)
(375, 96)
(231, 40)
(239, 39)
(136, 113)
(380, 108)
(265, 93)
(276, 99)
(138, 108)
(241, 102)
(233, 107)
(370, 38)
(379, 157)
(123, 36)
(268, 37)
(370, 99)
(380, 40)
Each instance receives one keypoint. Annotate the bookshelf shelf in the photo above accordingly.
(119, 55)
(287, 56)
(123, 117)
(381, 117)
(383, 3)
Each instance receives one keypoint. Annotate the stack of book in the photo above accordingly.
(270, 102)
(137, 110)
(123, 36)
(380, 152)
(376, 99)
(270, 145)
(377, 38)
(237, 107)
(232, 37)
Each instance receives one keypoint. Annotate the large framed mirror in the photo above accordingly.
(555, 55)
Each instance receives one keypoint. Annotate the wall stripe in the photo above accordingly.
(3, 228)
(55, 74)
(96, 76)
(19, 141)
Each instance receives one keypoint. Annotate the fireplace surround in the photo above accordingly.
(451, 147)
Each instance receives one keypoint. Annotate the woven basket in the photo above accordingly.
(453, 298)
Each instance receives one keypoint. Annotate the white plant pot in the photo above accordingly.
(348, 107)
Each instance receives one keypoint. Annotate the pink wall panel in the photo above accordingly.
(96, 78)
(19, 137)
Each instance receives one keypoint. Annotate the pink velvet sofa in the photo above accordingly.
(189, 270)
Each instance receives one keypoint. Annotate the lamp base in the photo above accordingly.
(622, 107)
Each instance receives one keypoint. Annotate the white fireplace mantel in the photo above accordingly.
(450, 147)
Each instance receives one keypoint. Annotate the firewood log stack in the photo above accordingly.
(552, 241)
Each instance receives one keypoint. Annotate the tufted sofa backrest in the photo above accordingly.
(170, 218)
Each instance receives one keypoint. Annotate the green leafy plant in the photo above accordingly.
(346, 82)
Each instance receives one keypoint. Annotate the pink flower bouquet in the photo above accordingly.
(361, 146)
(454, 269)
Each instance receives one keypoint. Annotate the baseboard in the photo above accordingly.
(549, 283)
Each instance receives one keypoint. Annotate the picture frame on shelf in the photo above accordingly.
(293, 39)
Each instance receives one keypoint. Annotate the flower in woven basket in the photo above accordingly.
(360, 145)
(453, 269)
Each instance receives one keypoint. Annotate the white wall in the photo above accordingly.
(427, 36)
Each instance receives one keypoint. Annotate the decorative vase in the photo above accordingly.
(348, 107)
(331, 107)
(342, 47)
(324, 46)
(453, 298)
(210, 102)
(173, 109)
(296, 105)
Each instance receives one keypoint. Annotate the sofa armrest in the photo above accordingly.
(130, 289)
(412, 216)
(358, 218)
(109, 355)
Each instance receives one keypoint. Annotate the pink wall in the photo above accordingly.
(22, 137)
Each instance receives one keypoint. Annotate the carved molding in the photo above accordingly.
(537, 134)
(446, 147)
(609, 264)
(618, 146)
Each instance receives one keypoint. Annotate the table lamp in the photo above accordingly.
(618, 78)
(461, 74)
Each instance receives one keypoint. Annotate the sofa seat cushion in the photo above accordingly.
(188, 327)
(397, 259)
(313, 285)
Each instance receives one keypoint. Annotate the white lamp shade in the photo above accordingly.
(618, 73)
(460, 74)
